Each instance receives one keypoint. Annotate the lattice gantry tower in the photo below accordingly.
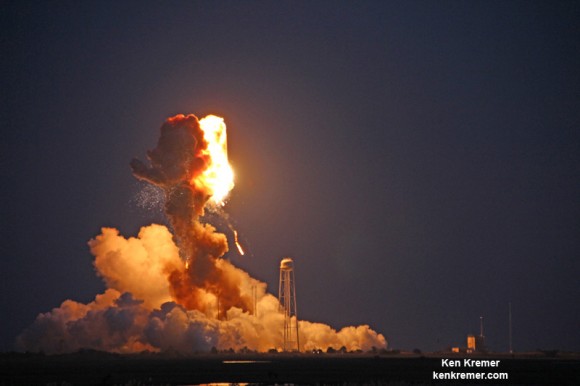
(287, 299)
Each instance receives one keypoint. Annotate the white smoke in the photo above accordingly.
(137, 311)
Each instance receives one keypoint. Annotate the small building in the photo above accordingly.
(475, 343)
(470, 343)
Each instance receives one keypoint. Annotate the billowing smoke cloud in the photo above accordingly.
(173, 291)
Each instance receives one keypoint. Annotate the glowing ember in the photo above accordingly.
(237, 243)
(218, 177)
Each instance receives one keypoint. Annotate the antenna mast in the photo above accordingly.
(510, 327)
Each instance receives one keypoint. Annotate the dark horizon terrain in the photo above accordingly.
(99, 368)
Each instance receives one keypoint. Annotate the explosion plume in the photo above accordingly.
(173, 290)
(190, 164)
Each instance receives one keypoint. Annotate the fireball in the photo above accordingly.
(218, 177)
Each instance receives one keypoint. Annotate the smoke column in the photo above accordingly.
(172, 290)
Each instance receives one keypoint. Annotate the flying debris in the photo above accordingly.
(172, 290)
(238, 243)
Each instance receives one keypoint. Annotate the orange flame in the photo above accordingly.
(218, 177)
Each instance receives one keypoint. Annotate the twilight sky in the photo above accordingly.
(419, 160)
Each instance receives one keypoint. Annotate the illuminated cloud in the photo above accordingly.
(173, 291)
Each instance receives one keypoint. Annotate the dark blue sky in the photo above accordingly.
(420, 161)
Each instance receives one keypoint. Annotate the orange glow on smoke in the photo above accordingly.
(218, 177)
(170, 290)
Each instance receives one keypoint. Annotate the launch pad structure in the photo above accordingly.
(287, 300)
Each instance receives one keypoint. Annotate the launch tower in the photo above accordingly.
(287, 299)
